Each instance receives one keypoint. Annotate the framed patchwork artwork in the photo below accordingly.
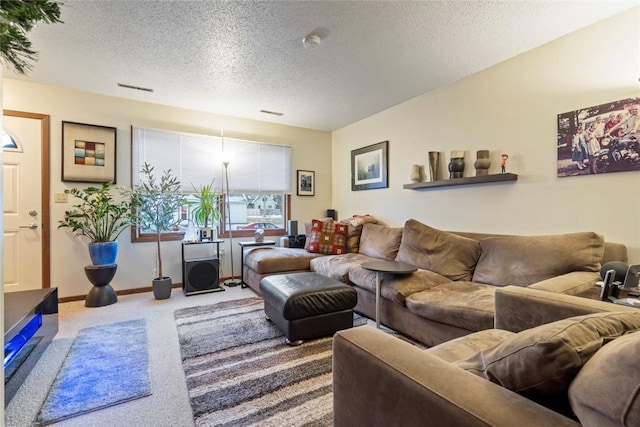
(88, 152)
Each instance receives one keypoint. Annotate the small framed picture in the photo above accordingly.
(306, 183)
(369, 167)
(88, 152)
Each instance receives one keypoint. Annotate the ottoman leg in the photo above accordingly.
(293, 343)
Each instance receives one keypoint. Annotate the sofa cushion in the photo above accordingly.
(273, 259)
(431, 249)
(468, 345)
(395, 287)
(541, 362)
(524, 260)
(337, 266)
(307, 230)
(379, 241)
(353, 238)
(354, 230)
(327, 237)
(466, 305)
(615, 401)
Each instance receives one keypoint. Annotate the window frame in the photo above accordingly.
(223, 232)
(137, 237)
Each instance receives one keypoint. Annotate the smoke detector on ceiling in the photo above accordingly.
(311, 41)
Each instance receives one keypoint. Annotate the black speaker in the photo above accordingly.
(201, 275)
(332, 213)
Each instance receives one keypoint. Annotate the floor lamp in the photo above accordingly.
(231, 282)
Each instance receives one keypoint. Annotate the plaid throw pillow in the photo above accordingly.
(328, 237)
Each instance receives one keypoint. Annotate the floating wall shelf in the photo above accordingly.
(500, 177)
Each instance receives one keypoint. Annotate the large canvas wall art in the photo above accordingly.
(599, 139)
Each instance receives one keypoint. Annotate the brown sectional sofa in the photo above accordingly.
(453, 291)
(540, 366)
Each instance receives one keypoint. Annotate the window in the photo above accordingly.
(10, 142)
(259, 177)
(247, 215)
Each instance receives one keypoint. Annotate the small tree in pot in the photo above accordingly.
(101, 218)
(158, 203)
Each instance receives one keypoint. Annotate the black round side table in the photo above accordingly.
(102, 293)
(393, 267)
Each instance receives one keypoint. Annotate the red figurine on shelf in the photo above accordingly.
(503, 164)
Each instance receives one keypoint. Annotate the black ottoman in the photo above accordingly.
(307, 305)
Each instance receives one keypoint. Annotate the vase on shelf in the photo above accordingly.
(456, 164)
(482, 163)
(434, 165)
(415, 173)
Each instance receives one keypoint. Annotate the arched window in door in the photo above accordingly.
(10, 142)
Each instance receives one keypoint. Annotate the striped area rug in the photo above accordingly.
(240, 372)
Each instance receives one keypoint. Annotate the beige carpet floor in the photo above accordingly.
(167, 406)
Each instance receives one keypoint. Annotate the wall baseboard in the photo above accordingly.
(126, 291)
(120, 292)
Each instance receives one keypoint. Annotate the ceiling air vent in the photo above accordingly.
(144, 89)
(273, 113)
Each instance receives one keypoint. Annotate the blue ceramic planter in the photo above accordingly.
(103, 253)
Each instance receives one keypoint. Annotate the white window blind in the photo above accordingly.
(254, 167)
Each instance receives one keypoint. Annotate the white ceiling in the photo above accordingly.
(239, 57)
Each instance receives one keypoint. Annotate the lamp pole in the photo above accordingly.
(231, 282)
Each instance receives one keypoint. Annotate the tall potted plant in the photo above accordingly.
(101, 218)
(158, 203)
(206, 209)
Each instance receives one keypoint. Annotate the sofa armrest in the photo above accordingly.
(519, 308)
(380, 380)
(574, 283)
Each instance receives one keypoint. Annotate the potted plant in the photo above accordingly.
(100, 218)
(158, 202)
(19, 18)
(206, 209)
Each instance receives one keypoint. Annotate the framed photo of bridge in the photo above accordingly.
(369, 167)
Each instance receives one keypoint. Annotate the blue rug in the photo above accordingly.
(106, 365)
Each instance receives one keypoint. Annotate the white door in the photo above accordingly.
(22, 209)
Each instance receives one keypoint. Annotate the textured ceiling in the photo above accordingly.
(238, 58)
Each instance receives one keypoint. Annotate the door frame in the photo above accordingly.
(45, 183)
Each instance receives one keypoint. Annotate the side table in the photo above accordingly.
(392, 267)
(250, 244)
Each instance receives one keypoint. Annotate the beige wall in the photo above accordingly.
(136, 262)
(509, 108)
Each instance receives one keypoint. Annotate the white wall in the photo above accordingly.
(136, 262)
(509, 108)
